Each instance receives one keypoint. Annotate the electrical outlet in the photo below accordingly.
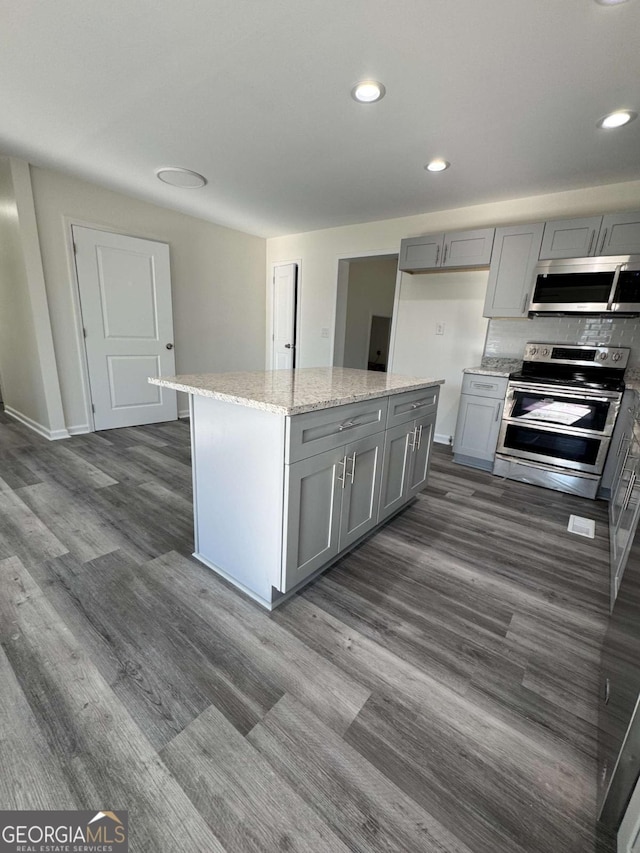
(324, 332)
(440, 328)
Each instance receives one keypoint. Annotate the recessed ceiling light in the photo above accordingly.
(368, 92)
(437, 165)
(610, 2)
(616, 119)
(178, 177)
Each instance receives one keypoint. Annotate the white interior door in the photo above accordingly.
(125, 297)
(285, 290)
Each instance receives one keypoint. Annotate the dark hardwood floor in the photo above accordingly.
(436, 690)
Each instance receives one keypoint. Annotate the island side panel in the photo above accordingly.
(238, 464)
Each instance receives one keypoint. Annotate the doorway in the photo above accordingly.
(285, 308)
(364, 311)
(124, 285)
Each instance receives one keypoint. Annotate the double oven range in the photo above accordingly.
(559, 415)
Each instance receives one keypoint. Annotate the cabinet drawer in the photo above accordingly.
(412, 404)
(325, 429)
(484, 386)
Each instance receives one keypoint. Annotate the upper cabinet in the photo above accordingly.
(614, 234)
(515, 254)
(446, 251)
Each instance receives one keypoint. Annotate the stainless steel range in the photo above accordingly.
(559, 415)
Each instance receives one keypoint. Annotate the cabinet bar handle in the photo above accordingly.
(347, 425)
(604, 238)
(412, 437)
(621, 444)
(353, 467)
(497, 412)
(419, 437)
(524, 304)
(342, 478)
(593, 234)
(437, 254)
(446, 249)
(627, 497)
(486, 385)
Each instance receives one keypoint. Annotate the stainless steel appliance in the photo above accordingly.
(587, 286)
(559, 415)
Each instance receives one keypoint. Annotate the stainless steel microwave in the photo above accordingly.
(587, 286)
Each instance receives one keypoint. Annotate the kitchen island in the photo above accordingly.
(292, 468)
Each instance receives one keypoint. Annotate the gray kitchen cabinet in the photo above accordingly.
(421, 253)
(446, 251)
(620, 234)
(619, 447)
(625, 508)
(332, 500)
(407, 453)
(479, 416)
(570, 238)
(515, 254)
(613, 234)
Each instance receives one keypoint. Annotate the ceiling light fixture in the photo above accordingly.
(437, 165)
(368, 92)
(616, 119)
(178, 177)
(610, 2)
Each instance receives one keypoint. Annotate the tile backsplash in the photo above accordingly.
(507, 338)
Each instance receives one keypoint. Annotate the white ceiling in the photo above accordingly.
(255, 95)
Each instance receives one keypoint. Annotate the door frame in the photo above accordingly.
(270, 307)
(76, 309)
(342, 284)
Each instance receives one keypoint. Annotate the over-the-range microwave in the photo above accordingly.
(587, 286)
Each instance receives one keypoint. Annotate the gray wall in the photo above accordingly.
(20, 372)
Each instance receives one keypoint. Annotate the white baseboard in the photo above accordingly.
(183, 413)
(441, 438)
(50, 434)
(79, 429)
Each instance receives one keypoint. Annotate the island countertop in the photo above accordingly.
(291, 392)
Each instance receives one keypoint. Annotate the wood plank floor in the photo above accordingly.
(436, 690)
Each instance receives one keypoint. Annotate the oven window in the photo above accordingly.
(571, 448)
(573, 288)
(567, 411)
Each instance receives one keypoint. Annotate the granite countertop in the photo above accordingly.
(291, 392)
(487, 371)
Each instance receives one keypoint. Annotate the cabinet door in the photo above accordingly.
(420, 454)
(570, 238)
(620, 440)
(477, 427)
(468, 248)
(421, 253)
(395, 483)
(514, 257)
(620, 234)
(313, 496)
(361, 494)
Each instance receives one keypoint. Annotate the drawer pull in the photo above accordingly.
(485, 385)
(422, 403)
(347, 425)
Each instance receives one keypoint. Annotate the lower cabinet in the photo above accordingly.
(407, 453)
(624, 512)
(479, 417)
(331, 501)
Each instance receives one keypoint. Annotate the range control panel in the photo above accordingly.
(572, 354)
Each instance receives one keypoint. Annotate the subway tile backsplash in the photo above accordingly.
(506, 338)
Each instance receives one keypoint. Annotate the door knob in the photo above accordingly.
(289, 346)
(169, 346)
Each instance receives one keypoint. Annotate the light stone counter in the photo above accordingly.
(291, 392)
(487, 371)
